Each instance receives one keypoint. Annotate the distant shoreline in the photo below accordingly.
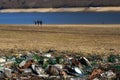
(79, 9)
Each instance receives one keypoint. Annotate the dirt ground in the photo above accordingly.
(86, 38)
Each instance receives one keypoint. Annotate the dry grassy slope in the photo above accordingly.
(56, 3)
(85, 38)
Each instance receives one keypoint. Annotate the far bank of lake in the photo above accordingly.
(73, 9)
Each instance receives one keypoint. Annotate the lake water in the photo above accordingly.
(61, 18)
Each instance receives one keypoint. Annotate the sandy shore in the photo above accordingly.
(79, 9)
(66, 25)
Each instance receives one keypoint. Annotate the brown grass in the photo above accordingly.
(86, 38)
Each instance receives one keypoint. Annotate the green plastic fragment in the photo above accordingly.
(36, 57)
(52, 61)
(59, 60)
(111, 58)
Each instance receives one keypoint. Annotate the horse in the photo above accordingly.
(38, 22)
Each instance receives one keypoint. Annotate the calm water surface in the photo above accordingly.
(61, 18)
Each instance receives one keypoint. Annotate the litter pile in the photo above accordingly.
(55, 65)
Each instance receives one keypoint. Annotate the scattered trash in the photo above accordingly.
(2, 60)
(8, 72)
(96, 73)
(85, 61)
(47, 65)
(112, 58)
(109, 75)
(78, 71)
(47, 55)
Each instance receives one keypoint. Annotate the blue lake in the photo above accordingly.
(61, 18)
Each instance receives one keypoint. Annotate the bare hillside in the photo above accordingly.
(56, 3)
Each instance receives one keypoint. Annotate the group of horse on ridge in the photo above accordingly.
(38, 22)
